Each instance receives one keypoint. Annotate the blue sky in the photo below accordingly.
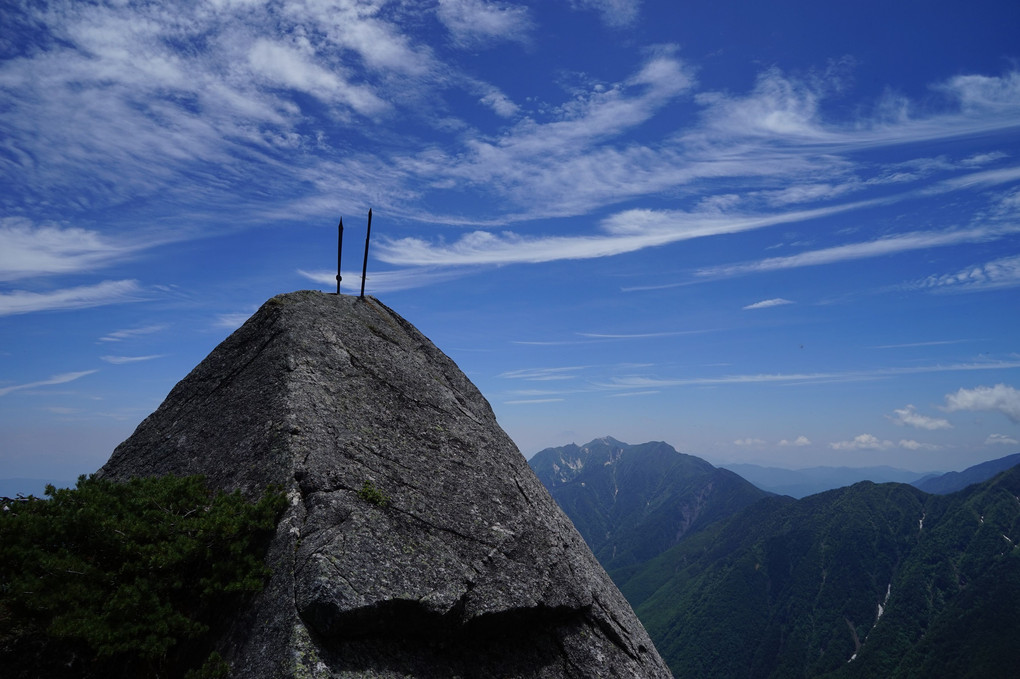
(784, 233)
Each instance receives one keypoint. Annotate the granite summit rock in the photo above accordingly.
(418, 542)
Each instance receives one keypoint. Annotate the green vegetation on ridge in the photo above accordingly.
(127, 579)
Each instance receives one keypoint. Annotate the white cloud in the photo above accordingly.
(1000, 398)
(638, 229)
(623, 232)
(986, 178)
(749, 442)
(574, 157)
(63, 378)
(544, 374)
(534, 400)
(914, 445)
(288, 67)
(641, 335)
(911, 345)
(985, 92)
(889, 245)
(474, 22)
(157, 90)
(804, 193)
(359, 26)
(766, 303)
(999, 273)
(121, 335)
(778, 107)
(1001, 439)
(616, 13)
(983, 158)
(121, 360)
(862, 442)
(150, 115)
(870, 442)
(83, 297)
(501, 104)
(27, 250)
(634, 382)
(799, 441)
(910, 416)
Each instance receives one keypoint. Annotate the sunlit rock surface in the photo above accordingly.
(418, 542)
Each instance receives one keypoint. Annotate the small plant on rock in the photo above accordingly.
(369, 493)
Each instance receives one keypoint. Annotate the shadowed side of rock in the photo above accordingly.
(418, 541)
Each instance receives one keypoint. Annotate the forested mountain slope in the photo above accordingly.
(873, 580)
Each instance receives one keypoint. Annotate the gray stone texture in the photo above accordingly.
(468, 569)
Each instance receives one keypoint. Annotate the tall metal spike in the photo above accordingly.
(339, 249)
(364, 265)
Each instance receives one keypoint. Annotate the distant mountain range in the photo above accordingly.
(870, 580)
(800, 483)
(954, 481)
(631, 503)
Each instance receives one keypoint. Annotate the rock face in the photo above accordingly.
(418, 542)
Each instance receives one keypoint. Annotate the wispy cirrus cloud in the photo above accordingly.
(785, 109)
(638, 229)
(615, 13)
(642, 335)
(293, 68)
(999, 273)
(640, 381)
(62, 378)
(81, 297)
(781, 135)
(628, 394)
(122, 360)
(544, 374)
(476, 22)
(767, 303)
(28, 250)
(130, 333)
(913, 345)
(880, 247)
(159, 92)
(624, 232)
(162, 94)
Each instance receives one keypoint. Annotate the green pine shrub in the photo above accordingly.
(371, 494)
(127, 579)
